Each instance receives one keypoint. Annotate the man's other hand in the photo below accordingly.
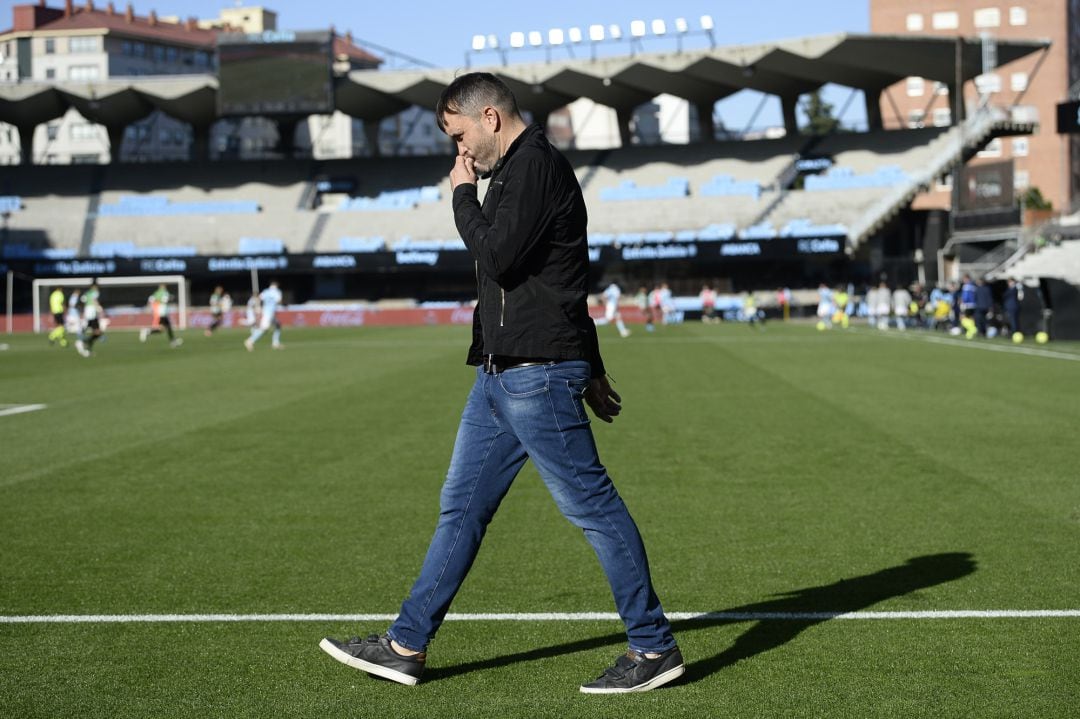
(602, 399)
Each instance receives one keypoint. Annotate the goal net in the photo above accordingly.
(123, 298)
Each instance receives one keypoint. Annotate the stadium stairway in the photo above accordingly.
(874, 208)
(1057, 261)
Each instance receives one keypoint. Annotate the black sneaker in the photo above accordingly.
(375, 656)
(634, 672)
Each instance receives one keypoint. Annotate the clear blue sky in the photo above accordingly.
(441, 32)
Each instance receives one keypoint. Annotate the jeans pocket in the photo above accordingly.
(524, 381)
(577, 388)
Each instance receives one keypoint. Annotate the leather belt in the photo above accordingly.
(494, 364)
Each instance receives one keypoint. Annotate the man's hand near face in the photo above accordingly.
(463, 172)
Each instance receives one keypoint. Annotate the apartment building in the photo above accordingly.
(1032, 87)
(88, 43)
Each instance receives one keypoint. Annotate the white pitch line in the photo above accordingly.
(979, 344)
(542, 616)
(19, 409)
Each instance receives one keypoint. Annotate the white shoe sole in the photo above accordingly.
(658, 680)
(378, 670)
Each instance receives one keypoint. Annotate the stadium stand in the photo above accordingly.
(917, 158)
(701, 192)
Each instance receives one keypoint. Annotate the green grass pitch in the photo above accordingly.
(784, 470)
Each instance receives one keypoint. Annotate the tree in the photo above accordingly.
(819, 115)
(1033, 200)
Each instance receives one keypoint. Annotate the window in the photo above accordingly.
(916, 119)
(52, 130)
(945, 20)
(83, 72)
(138, 49)
(84, 159)
(988, 84)
(1024, 113)
(1020, 147)
(941, 88)
(126, 48)
(942, 117)
(988, 17)
(914, 22)
(83, 44)
(1017, 16)
(158, 53)
(50, 46)
(172, 54)
(1021, 179)
(1018, 81)
(83, 131)
(50, 73)
(992, 149)
(915, 86)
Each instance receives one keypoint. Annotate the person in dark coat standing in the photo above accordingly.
(1014, 294)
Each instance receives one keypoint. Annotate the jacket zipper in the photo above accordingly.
(502, 310)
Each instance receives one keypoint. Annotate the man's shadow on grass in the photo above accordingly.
(776, 621)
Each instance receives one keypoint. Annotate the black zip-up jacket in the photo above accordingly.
(528, 240)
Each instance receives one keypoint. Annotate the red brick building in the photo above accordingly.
(1032, 87)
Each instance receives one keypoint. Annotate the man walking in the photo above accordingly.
(537, 364)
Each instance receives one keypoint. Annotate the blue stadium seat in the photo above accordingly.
(844, 178)
(392, 199)
(361, 244)
(726, 185)
(760, 231)
(10, 203)
(260, 246)
(675, 187)
(159, 205)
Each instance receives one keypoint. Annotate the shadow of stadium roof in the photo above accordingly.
(786, 68)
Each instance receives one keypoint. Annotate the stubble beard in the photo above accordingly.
(486, 155)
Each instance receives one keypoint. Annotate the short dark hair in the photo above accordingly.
(469, 94)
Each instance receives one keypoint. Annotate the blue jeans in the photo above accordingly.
(533, 412)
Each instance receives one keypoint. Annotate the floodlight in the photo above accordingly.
(555, 36)
(493, 42)
(637, 28)
(596, 33)
(478, 42)
(575, 34)
(659, 27)
(706, 22)
(680, 25)
(615, 32)
(517, 39)
(535, 38)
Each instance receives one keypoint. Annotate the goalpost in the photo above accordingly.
(43, 286)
